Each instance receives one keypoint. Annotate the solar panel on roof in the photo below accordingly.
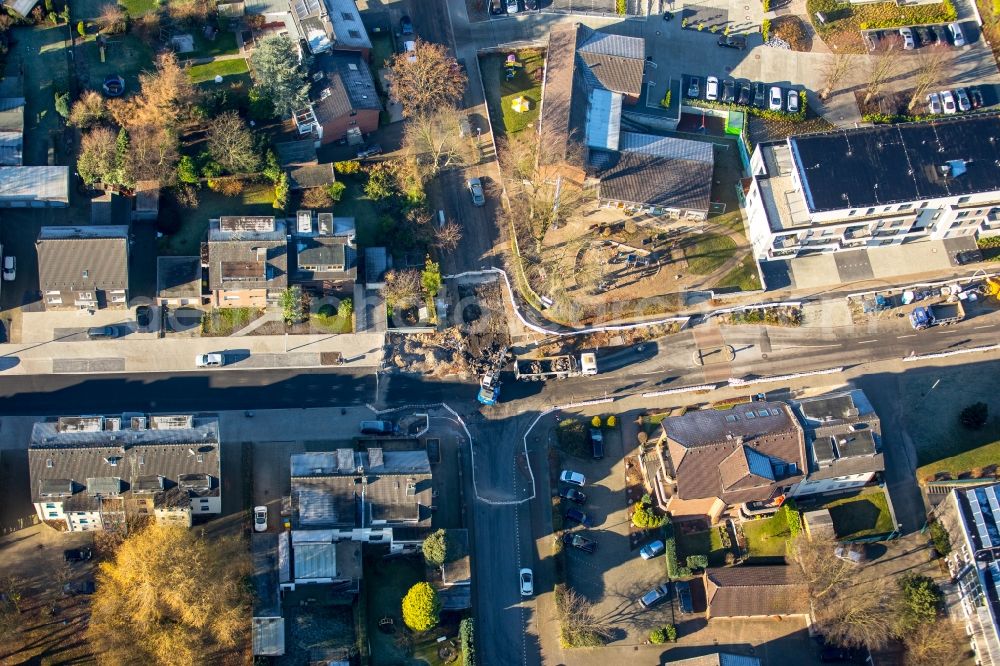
(243, 270)
(254, 223)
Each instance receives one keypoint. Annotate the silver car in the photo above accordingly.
(934, 104)
(948, 102)
(962, 99)
(476, 189)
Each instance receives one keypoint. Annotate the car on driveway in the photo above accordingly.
(9, 268)
(871, 38)
(73, 588)
(370, 151)
(596, 443)
(573, 495)
(793, 101)
(728, 90)
(527, 580)
(577, 516)
(743, 99)
(579, 542)
(684, 596)
(711, 89)
(652, 549)
(476, 190)
(957, 36)
(143, 315)
(260, 519)
(212, 360)
(733, 41)
(77, 554)
(656, 596)
(512, 7)
(694, 87)
(940, 34)
(976, 97)
(934, 104)
(572, 478)
(405, 25)
(759, 97)
(774, 100)
(922, 36)
(962, 99)
(102, 332)
(908, 42)
(948, 102)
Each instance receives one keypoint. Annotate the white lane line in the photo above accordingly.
(976, 328)
(867, 342)
(811, 346)
(911, 335)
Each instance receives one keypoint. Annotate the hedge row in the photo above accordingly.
(767, 114)
(467, 638)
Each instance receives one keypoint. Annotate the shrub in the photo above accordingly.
(596, 421)
(348, 167)
(345, 309)
(646, 517)
(187, 171)
(421, 607)
(793, 517)
(317, 197)
(230, 187)
(670, 548)
(975, 415)
(658, 636)
(466, 635)
(281, 192)
(62, 104)
(939, 535)
(767, 6)
(621, 7)
(336, 190)
(611, 421)
(765, 29)
(665, 102)
(697, 561)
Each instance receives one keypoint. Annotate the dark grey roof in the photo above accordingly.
(745, 591)
(376, 264)
(321, 502)
(642, 178)
(844, 434)
(265, 574)
(346, 86)
(886, 164)
(347, 462)
(187, 458)
(304, 176)
(850, 466)
(81, 258)
(348, 30)
(178, 277)
(325, 258)
(292, 153)
(612, 62)
(247, 259)
(705, 427)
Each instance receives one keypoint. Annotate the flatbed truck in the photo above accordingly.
(939, 314)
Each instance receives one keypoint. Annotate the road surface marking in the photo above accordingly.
(911, 335)
(986, 326)
(867, 342)
(839, 344)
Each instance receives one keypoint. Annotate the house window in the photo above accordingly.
(86, 273)
(54, 300)
(232, 297)
(84, 521)
(906, 207)
(923, 204)
(964, 213)
(48, 463)
(979, 211)
(354, 33)
(851, 212)
(85, 295)
(53, 514)
(962, 200)
(142, 460)
(50, 505)
(347, 16)
(200, 458)
(869, 211)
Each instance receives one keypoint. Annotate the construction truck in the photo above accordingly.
(939, 314)
(489, 388)
(555, 367)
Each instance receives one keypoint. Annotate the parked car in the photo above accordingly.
(9, 268)
(102, 333)
(728, 90)
(962, 99)
(940, 34)
(948, 102)
(77, 554)
(512, 7)
(908, 42)
(684, 596)
(496, 7)
(405, 25)
(694, 87)
(656, 596)
(652, 549)
(73, 588)
(579, 541)
(577, 516)
(793, 101)
(759, 97)
(969, 257)
(733, 41)
(596, 443)
(711, 89)
(573, 478)
(573, 495)
(976, 96)
(934, 104)
(476, 190)
(378, 428)
(260, 519)
(369, 151)
(922, 36)
(527, 581)
(143, 315)
(213, 360)
(957, 36)
(774, 101)
(743, 99)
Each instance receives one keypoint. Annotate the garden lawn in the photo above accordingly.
(223, 68)
(984, 458)
(501, 92)
(708, 542)
(43, 51)
(861, 515)
(255, 200)
(125, 55)
(354, 203)
(708, 252)
(744, 277)
(382, 50)
(767, 537)
(571, 434)
(386, 583)
(223, 44)
(225, 321)
(137, 8)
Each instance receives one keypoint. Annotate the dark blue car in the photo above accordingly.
(577, 516)
(684, 596)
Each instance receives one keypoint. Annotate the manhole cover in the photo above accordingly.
(746, 8)
(756, 57)
(748, 17)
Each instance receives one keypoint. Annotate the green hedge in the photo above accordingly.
(467, 638)
(674, 569)
(753, 110)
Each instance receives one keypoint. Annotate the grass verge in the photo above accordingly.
(502, 91)
(223, 68)
(744, 277)
(708, 252)
(982, 460)
(767, 537)
(861, 515)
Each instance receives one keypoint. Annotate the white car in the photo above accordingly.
(260, 519)
(410, 47)
(527, 582)
(711, 89)
(774, 102)
(957, 36)
(948, 102)
(934, 104)
(962, 99)
(512, 7)
(572, 478)
(793, 101)
(9, 268)
(213, 360)
(907, 35)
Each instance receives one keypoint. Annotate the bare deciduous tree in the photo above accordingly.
(882, 66)
(230, 143)
(433, 138)
(580, 627)
(447, 237)
(401, 288)
(834, 71)
(113, 19)
(88, 110)
(934, 643)
(426, 80)
(931, 61)
(152, 155)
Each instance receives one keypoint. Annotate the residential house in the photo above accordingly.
(147, 200)
(843, 442)
(178, 281)
(95, 472)
(455, 590)
(755, 591)
(326, 259)
(349, 32)
(972, 518)
(875, 187)
(344, 102)
(591, 77)
(34, 186)
(301, 165)
(711, 459)
(323, 25)
(247, 261)
(268, 625)
(83, 267)
(11, 121)
(324, 557)
(718, 659)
